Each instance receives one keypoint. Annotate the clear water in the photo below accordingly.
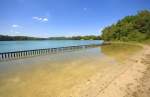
(8, 46)
(69, 74)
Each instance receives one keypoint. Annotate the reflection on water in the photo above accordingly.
(59, 75)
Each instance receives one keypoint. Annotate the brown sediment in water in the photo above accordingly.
(87, 73)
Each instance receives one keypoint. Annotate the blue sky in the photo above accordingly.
(47, 18)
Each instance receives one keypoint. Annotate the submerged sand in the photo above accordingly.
(135, 80)
(118, 70)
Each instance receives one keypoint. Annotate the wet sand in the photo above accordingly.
(95, 72)
(134, 81)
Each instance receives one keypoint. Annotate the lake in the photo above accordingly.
(71, 74)
(8, 46)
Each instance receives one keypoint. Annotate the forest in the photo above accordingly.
(13, 38)
(130, 28)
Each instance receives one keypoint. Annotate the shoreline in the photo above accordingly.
(101, 76)
(121, 82)
(133, 82)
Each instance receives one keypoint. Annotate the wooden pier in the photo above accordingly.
(37, 52)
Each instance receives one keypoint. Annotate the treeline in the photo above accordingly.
(130, 28)
(11, 38)
(90, 37)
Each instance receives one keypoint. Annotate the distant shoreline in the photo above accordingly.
(45, 40)
(25, 38)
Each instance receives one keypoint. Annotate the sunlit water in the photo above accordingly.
(7, 46)
(68, 74)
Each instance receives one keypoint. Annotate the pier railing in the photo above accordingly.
(36, 52)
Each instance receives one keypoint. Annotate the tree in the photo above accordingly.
(130, 28)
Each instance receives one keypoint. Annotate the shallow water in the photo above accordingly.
(64, 74)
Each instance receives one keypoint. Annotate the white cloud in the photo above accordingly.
(37, 18)
(40, 19)
(15, 26)
(45, 19)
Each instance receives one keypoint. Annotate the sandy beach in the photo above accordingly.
(134, 81)
(131, 80)
(111, 73)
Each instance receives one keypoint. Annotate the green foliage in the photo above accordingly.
(130, 28)
(11, 38)
(90, 37)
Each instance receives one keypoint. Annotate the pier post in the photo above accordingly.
(28, 53)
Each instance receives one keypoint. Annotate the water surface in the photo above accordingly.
(7, 46)
(71, 74)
